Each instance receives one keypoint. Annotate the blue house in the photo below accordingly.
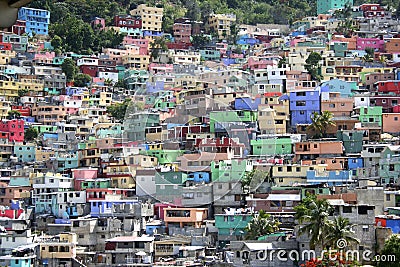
(354, 164)
(154, 87)
(247, 40)
(302, 106)
(37, 20)
(247, 103)
(329, 177)
(198, 177)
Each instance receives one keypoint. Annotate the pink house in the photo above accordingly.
(161, 68)
(80, 175)
(255, 63)
(143, 44)
(375, 43)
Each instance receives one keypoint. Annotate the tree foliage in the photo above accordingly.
(392, 247)
(320, 123)
(70, 68)
(13, 114)
(313, 65)
(82, 80)
(118, 110)
(262, 224)
(340, 228)
(30, 134)
(312, 214)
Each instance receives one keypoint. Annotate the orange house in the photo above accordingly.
(332, 164)
(316, 148)
(390, 122)
(352, 42)
(392, 45)
(185, 217)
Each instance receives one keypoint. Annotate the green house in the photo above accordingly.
(220, 119)
(369, 115)
(352, 141)
(96, 183)
(169, 185)
(135, 125)
(163, 156)
(323, 6)
(389, 169)
(272, 147)
(229, 170)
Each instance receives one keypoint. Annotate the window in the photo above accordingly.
(347, 209)
(387, 197)
(300, 103)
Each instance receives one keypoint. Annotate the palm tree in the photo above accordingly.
(313, 214)
(326, 121)
(262, 224)
(320, 123)
(340, 228)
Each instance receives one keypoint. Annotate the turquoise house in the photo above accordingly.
(67, 161)
(209, 54)
(25, 153)
(231, 227)
(339, 86)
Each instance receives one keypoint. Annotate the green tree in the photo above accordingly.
(346, 28)
(57, 42)
(312, 215)
(391, 249)
(118, 110)
(282, 62)
(370, 51)
(262, 224)
(313, 65)
(158, 45)
(82, 80)
(320, 123)
(340, 228)
(30, 134)
(14, 114)
(199, 41)
(69, 68)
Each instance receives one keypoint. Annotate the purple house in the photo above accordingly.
(302, 105)
(375, 43)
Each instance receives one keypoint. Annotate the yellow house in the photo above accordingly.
(138, 62)
(289, 175)
(62, 246)
(32, 85)
(151, 17)
(6, 56)
(5, 107)
(221, 24)
(9, 89)
(185, 57)
(121, 175)
(273, 115)
(43, 154)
